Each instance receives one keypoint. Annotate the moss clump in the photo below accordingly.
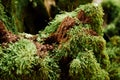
(75, 48)
(95, 13)
(20, 61)
(82, 39)
(85, 34)
(85, 66)
(48, 70)
(111, 34)
(87, 39)
(17, 59)
(113, 49)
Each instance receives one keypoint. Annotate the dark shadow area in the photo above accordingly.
(36, 18)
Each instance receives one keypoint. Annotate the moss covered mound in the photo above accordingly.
(71, 47)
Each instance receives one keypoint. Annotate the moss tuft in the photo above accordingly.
(85, 66)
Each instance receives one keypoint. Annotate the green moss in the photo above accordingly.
(111, 9)
(80, 41)
(114, 71)
(54, 24)
(94, 12)
(83, 42)
(110, 30)
(85, 67)
(111, 18)
(79, 38)
(83, 56)
(96, 15)
(6, 18)
(18, 58)
(17, 8)
(48, 70)
(19, 61)
(115, 41)
(113, 49)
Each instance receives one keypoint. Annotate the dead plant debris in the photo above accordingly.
(6, 36)
(42, 49)
(83, 18)
(61, 34)
(90, 32)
